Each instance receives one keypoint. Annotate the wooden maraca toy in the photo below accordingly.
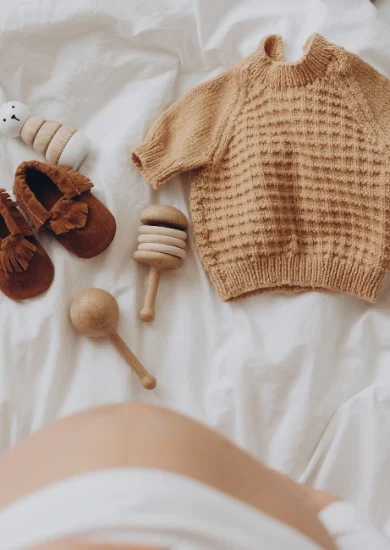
(162, 243)
(94, 312)
(61, 144)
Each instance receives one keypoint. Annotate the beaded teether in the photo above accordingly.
(162, 243)
(61, 144)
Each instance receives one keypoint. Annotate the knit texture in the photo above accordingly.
(290, 171)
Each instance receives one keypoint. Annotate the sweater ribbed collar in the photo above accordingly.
(269, 62)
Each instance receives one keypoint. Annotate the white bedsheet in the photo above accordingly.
(301, 381)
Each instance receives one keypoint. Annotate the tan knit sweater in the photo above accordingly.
(290, 171)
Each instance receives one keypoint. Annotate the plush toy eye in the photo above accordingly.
(13, 106)
(4, 119)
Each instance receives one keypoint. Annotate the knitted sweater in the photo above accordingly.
(290, 167)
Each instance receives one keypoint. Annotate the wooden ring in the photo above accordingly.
(31, 128)
(164, 248)
(157, 259)
(58, 143)
(162, 239)
(45, 135)
(158, 230)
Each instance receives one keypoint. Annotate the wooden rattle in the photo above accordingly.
(94, 312)
(61, 144)
(162, 242)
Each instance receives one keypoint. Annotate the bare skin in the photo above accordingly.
(142, 436)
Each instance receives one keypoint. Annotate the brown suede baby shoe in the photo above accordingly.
(25, 268)
(59, 200)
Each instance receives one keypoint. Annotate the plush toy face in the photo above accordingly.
(13, 116)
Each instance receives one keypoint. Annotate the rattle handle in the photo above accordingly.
(147, 380)
(147, 312)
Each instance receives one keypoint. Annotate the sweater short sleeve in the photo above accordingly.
(187, 134)
(375, 88)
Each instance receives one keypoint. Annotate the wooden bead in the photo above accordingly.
(45, 135)
(161, 214)
(58, 143)
(164, 248)
(155, 229)
(95, 312)
(157, 259)
(31, 128)
(162, 239)
(14, 116)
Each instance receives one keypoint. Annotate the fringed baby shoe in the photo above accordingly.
(59, 200)
(25, 268)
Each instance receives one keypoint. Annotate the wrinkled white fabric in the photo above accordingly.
(351, 530)
(302, 381)
(151, 507)
(147, 507)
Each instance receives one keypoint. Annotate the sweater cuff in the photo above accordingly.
(148, 159)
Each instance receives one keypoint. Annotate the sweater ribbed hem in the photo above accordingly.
(297, 274)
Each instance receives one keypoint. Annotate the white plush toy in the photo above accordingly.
(60, 144)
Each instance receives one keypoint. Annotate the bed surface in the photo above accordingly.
(301, 381)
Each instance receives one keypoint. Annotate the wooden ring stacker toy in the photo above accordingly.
(162, 243)
(59, 143)
(95, 312)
